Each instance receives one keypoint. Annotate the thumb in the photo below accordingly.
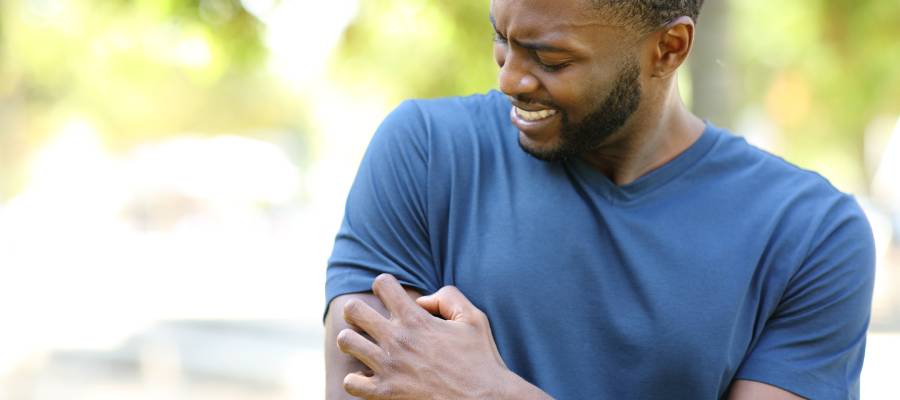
(449, 303)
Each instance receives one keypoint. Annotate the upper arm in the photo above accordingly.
(814, 341)
(385, 225)
(750, 390)
(338, 364)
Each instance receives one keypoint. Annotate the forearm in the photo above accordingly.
(461, 322)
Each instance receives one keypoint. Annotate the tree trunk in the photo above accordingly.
(710, 66)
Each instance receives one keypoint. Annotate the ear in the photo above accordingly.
(673, 46)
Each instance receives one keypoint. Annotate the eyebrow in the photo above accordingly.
(533, 46)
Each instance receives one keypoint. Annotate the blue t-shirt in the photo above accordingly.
(725, 263)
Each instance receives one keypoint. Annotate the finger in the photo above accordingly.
(360, 348)
(394, 297)
(363, 316)
(450, 304)
(358, 385)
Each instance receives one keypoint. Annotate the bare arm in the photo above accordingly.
(439, 346)
(750, 390)
(338, 364)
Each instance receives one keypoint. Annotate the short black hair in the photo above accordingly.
(651, 14)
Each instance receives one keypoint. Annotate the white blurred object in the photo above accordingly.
(301, 62)
(79, 267)
(193, 359)
(886, 181)
(884, 296)
(879, 374)
(759, 130)
(219, 169)
(882, 154)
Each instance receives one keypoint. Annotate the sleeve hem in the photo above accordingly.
(786, 378)
(361, 284)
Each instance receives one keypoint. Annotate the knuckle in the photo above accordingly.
(385, 391)
(415, 320)
(405, 342)
(388, 363)
(480, 319)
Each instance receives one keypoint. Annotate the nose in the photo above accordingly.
(515, 79)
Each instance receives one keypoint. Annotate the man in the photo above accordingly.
(584, 236)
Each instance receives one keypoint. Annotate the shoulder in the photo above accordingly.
(450, 109)
(456, 116)
(443, 129)
(417, 126)
(771, 177)
(800, 209)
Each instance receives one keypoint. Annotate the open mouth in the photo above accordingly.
(532, 116)
(537, 127)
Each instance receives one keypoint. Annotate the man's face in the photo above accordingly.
(569, 73)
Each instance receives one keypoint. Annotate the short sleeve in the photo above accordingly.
(813, 344)
(385, 227)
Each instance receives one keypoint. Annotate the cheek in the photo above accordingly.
(571, 92)
(586, 92)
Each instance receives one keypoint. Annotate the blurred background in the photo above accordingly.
(173, 172)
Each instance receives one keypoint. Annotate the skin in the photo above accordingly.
(594, 50)
(553, 54)
(337, 363)
(433, 347)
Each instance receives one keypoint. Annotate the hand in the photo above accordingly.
(419, 356)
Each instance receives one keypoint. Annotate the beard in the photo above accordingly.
(606, 119)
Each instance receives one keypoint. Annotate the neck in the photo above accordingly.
(660, 130)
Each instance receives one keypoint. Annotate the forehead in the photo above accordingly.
(552, 19)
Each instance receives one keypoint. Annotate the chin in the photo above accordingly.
(544, 151)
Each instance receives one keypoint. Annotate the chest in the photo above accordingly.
(567, 282)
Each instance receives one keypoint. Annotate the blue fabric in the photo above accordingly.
(725, 263)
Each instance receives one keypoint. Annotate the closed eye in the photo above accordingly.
(547, 67)
(551, 67)
(498, 38)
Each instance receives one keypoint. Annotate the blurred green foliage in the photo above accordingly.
(820, 70)
(824, 69)
(417, 48)
(137, 69)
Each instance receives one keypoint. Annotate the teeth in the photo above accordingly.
(534, 115)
